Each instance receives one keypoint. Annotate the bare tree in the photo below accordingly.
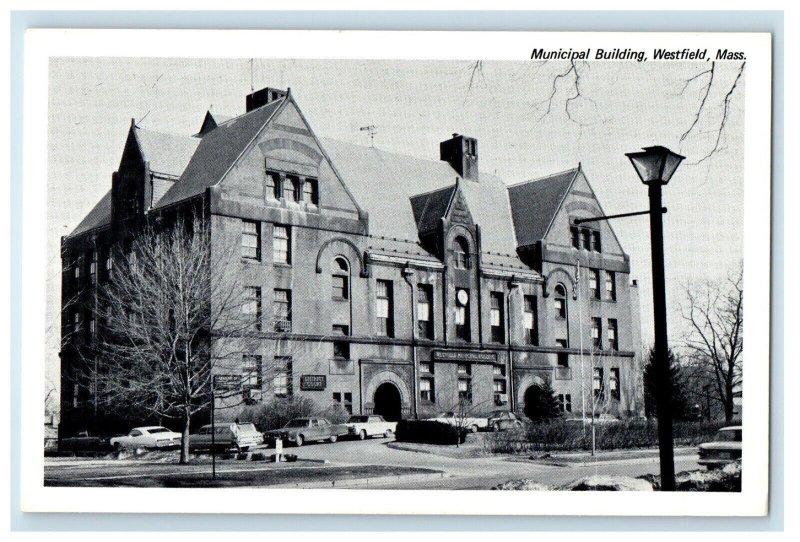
(169, 317)
(715, 315)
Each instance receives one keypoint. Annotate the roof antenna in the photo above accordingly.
(371, 130)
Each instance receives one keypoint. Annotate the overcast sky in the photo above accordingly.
(415, 105)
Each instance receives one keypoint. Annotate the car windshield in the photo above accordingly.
(247, 427)
(729, 436)
(499, 414)
(357, 419)
(158, 430)
(297, 423)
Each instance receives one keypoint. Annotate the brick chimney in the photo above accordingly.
(263, 97)
(461, 152)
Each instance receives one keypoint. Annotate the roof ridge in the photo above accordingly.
(429, 192)
(564, 172)
(172, 134)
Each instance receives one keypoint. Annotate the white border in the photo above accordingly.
(41, 44)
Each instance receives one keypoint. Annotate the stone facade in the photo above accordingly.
(388, 284)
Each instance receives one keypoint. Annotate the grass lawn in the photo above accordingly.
(264, 476)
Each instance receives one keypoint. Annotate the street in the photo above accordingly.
(358, 464)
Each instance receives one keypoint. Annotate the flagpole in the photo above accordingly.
(580, 335)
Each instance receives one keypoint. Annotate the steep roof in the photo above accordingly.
(167, 153)
(100, 215)
(534, 203)
(217, 151)
(404, 178)
(430, 207)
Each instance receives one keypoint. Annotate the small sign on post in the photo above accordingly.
(278, 450)
(224, 382)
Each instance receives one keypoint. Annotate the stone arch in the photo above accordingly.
(387, 376)
(362, 262)
(569, 280)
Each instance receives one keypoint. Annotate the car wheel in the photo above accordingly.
(474, 428)
(299, 440)
(388, 433)
(497, 427)
(333, 438)
(362, 434)
(118, 446)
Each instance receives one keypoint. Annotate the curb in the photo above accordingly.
(356, 482)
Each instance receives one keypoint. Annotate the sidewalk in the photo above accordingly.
(601, 456)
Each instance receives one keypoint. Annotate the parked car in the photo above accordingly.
(500, 420)
(84, 442)
(469, 423)
(302, 430)
(725, 448)
(370, 426)
(226, 436)
(148, 437)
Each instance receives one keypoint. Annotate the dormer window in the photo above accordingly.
(461, 253)
(291, 188)
(310, 191)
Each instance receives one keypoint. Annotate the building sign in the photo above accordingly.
(227, 382)
(312, 382)
(464, 355)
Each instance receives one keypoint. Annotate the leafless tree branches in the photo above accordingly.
(715, 314)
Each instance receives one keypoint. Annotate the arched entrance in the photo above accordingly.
(387, 402)
(534, 399)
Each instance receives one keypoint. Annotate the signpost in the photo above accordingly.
(226, 382)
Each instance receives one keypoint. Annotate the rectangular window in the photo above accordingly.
(611, 286)
(597, 382)
(597, 333)
(345, 399)
(291, 188)
(594, 283)
(464, 369)
(341, 350)
(426, 389)
(426, 367)
(251, 379)
(78, 266)
(499, 392)
(93, 268)
(613, 341)
(251, 240)
(76, 390)
(92, 326)
(565, 402)
(613, 383)
(339, 287)
(465, 390)
(562, 357)
(497, 317)
(310, 191)
(109, 266)
(425, 311)
(251, 306)
(462, 315)
(499, 370)
(272, 185)
(76, 322)
(575, 237)
(384, 308)
(561, 307)
(340, 331)
(596, 241)
(281, 244)
(282, 379)
(586, 237)
(529, 319)
(282, 310)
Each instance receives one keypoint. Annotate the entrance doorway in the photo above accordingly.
(387, 402)
(533, 402)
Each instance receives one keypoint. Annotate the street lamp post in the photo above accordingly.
(655, 166)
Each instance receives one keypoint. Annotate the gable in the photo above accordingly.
(287, 145)
(581, 202)
(535, 203)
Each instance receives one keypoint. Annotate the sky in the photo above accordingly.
(527, 116)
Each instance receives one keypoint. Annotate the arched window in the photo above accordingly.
(560, 301)
(340, 279)
(461, 253)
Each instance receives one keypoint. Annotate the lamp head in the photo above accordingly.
(655, 164)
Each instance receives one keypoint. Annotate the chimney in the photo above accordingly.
(263, 97)
(461, 152)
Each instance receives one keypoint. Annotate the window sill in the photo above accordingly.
(281, 264)
(340, 299)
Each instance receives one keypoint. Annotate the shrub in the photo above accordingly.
(277, 413)
(335, 413)
(563, 436)
(429, 432)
